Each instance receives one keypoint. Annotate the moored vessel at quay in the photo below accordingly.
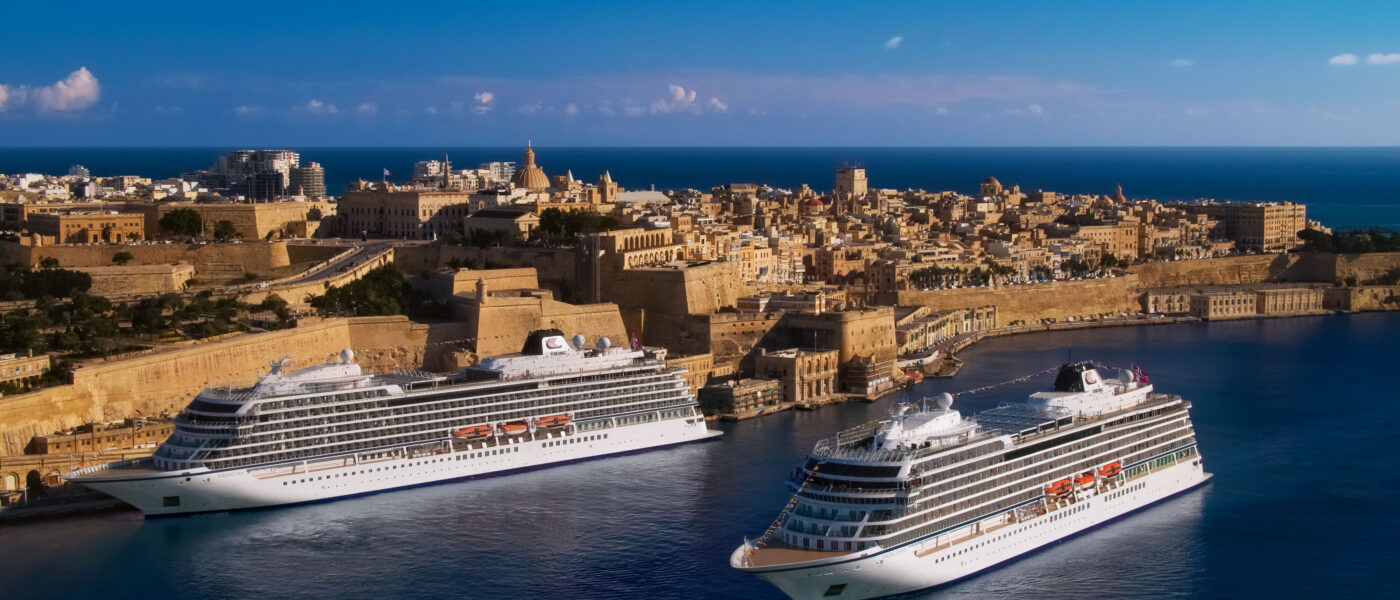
(927, 496)
(332, 430)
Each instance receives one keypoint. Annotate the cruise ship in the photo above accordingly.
(927, 496)
(333, 430)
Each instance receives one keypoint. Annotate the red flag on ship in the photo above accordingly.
(1141, 375)
(636, 342)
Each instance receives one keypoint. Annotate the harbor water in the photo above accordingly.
(1295, 417)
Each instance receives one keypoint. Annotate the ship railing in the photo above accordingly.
(900, 488)
(226, 394)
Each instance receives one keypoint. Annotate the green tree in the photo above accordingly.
(183, 221)
(224, 230)
(48, 262)
(123, 257)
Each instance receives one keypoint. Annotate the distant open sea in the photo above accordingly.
(1343, 187)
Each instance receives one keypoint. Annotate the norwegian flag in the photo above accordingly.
(1141, 375)
(636, 342)
(387, 173)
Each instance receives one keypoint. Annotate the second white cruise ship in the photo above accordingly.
(333, 430)
(927, 496)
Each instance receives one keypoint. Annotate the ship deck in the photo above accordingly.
(769, 557)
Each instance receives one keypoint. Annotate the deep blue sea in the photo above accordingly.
(1294, 417)
(1344, 187)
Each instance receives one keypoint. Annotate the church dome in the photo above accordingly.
(991, 181)
(530, 176)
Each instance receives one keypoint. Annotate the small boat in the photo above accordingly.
(1085, 480)
(1059, 487)
(553, 421)
(914, 375)
(1111, 469)
(513, 428)
(473, 432)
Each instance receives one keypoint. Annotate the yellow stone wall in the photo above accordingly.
(168, 380)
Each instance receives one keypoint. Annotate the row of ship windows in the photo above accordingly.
(1078, 451)
(961, 511)
(409, 426)
(378, 442)
(519, 399)
(482, 454)
(461, 410)
(970, 514)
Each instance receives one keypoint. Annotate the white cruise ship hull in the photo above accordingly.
(169, 493)
(922, 564)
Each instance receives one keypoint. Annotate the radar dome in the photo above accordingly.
(579, 340)
(347, 356)
(604, 343)
(945, 401)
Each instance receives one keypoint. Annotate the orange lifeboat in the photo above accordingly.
(473, 432)
(1062, 486)
(914, 376)
(1085, 480)
(1111, 469)
(513, 428)
(553, 421)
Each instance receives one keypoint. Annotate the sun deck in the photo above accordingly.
(775, 556)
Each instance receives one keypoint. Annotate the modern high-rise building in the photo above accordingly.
(309, 181)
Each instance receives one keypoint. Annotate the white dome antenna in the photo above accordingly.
(945, 401)
(347, 356)
(604, 343)
(579, 341)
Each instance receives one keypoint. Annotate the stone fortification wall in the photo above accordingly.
(1031, 303)
(502, 324)
(139, 279)
(554, 266)
(166, 381)
(1363, 298)
(248, 256)
(1364, 267)
(696, 290)
(1213, 271)
(312, 253)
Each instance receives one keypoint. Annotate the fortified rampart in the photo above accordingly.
(138, 279)
(1031, 303)
(166, 381)
(246, 257)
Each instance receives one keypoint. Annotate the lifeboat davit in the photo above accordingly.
(1062, 486)
(553, 421)
(473, 432)
(1085, 480)
(1111, 469)
(513, 428)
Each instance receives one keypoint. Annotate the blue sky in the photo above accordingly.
(714, 73)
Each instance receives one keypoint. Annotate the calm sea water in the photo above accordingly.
(1344, 187)
(1294, 417)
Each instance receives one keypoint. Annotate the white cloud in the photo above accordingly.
(318, 107)
(942, 111)
(1342, 60)
(432, 110)
(1383, 59)
(1182, 63)
(607, 111)
(366, 109)
(74, 93)
(78, 91)
(634, 111)
(1035, 109)
(571, 110)
(244, 110)
(485, 97)
(894, 42)
(682, 100)
(717, 105)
